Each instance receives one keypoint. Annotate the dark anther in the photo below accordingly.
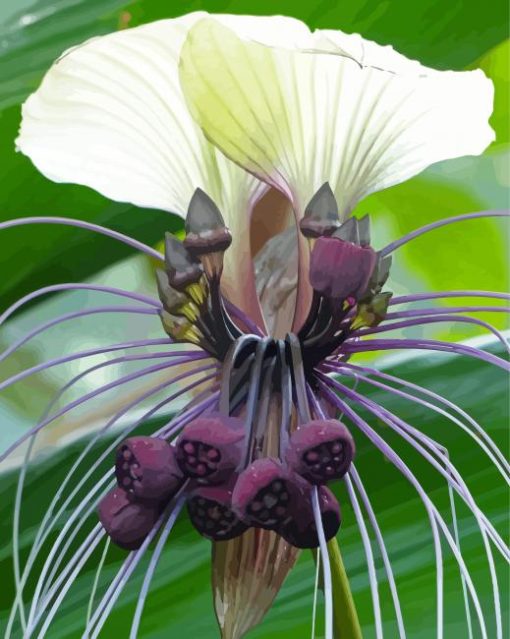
(301, 530)
(321, 451)
(182, 269)
(173, 301)
(210, 511)
(127, 522)
(210, 448)
(321, 214)
(349, 231)
(264, 493)
(146, 468)
(364, 230)
(205, 226)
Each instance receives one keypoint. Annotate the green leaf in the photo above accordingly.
(179, 603)
(34, 36)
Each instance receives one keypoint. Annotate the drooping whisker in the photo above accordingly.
(418, 440)
(358, 484)
(91, 353)
(369, 556)
(76, 286)
(123, 380)
(52, 403)
(418, 297)
(415, 438)
(110, 597)
(427, 345)
(167, 528)
(438, 224)
(64, 534)
(136, 310)
(441, 310)
(65, 221)
(97, 576)
(73, 568)
(479, 436)
(326, 566)
(427, 320)
(47, 584)
(44, 530)
(434, 515)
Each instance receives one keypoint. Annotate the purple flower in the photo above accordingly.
(277, 124)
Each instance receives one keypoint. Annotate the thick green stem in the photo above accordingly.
(345, 617)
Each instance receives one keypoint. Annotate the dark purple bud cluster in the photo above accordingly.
(223, 499)
(347, 276)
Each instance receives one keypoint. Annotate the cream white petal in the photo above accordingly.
(330, 107)
(110, 114)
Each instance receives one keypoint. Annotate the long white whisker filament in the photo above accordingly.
(434, 515)
(97, 576)
(367, 545)
(326, 567)
(316, 590)
(64, 534)
(356, 480)
(152, 567)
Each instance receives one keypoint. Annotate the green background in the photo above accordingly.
(445, 35)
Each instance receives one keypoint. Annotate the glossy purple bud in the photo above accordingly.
(127, 522)
(210, 448)
(210, 511)
(340, 269)
(264, 493)
(301, 530)
(146, 468)
(320, 451)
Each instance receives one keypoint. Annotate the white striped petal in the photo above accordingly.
(110, 115)
(330, 107)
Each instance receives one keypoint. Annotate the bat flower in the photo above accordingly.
(237, 123)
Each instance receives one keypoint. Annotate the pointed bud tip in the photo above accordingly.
(321, 214)
(205, 226)
(349, 231)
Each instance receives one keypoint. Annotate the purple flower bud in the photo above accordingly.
(340, 269)
(146, 467)
(301, 530)
(210, 511)
(209, 449)
(320, 451)
(264, 493)
(127, 522)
